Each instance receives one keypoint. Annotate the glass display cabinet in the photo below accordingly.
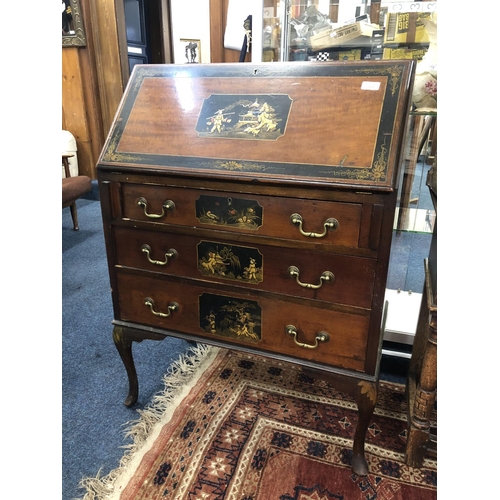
(414, 225)
(301, 30)
(346, 30)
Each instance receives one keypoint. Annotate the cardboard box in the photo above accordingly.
(359, 33)
(404, 53)
(349, 55)
(406, 27)
(377, 42)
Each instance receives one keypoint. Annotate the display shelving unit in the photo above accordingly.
(307, 30)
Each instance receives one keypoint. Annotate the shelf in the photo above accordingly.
(402, 316)
(416, 220)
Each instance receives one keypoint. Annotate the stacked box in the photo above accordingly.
(349, 55)
(405, 53)
(406, 28)
(351, 34)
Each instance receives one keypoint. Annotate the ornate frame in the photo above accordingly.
(78, 39)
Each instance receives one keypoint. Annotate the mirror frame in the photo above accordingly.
(78, 39)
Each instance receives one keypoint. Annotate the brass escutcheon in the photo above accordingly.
(168, 205)
(173, 306)
(320, 337)
(326, 277)
(330, 224)
(171, 253)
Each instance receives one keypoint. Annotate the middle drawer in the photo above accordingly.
(324, 276)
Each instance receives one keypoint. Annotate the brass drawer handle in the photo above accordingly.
(173, 306)
(171, 253)
(168, 205)
(330, 225)
(320, 337)
(326, 277)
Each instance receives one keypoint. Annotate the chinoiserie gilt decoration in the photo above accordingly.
(261, 117)
(231, 262)
(228, 211)
(230, 317)
(251, 207)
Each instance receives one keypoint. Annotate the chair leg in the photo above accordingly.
(74, 215)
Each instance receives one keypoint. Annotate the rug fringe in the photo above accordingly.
(175, 381)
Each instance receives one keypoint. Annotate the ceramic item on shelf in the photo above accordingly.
(425, 87)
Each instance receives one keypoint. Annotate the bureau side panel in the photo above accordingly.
(386, 223)
(109, 194)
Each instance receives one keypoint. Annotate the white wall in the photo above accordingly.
(190, 20)
(234, 32)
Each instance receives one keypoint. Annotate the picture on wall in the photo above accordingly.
(192, 50)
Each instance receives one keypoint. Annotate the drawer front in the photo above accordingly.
(323, 222)
(302, 273)
(246, 319)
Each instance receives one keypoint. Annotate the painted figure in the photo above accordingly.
(217, 121)
(67, 18)
(211, 322)
(250, 272)
(244, 326)
(209, 264)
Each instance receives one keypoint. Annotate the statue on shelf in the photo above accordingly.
(309, 22)
(191, 55)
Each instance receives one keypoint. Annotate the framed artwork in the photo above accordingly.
(192, 50)
(73, 32)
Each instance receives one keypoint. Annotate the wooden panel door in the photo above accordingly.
(137, 40)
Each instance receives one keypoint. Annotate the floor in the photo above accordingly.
(93, 378)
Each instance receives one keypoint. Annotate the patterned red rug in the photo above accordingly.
(252, 428)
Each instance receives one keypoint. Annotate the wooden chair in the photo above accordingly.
(72, 189)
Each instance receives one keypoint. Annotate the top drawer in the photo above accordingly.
(325, 222)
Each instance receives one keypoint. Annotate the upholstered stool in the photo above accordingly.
(72, 189)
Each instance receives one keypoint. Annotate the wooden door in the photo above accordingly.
(138, 49)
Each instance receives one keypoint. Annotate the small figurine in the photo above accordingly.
(191, 52)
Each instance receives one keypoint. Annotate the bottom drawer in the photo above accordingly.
(272, 325)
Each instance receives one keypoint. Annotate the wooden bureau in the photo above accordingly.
(251, 207)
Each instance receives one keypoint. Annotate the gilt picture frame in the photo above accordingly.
(73, 30)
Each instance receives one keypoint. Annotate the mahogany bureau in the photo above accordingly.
(251, 207)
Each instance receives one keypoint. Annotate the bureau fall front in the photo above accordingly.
(251, 206)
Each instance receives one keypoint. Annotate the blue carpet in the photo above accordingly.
(406, 269)
(409, 249)
(94, 382)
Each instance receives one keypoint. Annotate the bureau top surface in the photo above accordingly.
(317, 123)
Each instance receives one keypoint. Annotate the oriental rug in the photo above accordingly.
(234, 426)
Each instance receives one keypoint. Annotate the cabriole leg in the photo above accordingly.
(366, 400)
(123, 344)
(123, 338)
